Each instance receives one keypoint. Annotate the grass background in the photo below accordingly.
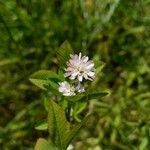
(114, 31)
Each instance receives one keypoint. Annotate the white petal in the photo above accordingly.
(85, 76)
(70, 147)
(67, 74)
(90, 66)
(71, 55)
(60, 90)
(80, 56)
(66, 94)
(75, 73)
(85, 59)
(80, 88)
(91, 73)
(72, 77)
(91, 79)
(80, 78)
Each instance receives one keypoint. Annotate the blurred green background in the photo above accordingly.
(113, 31)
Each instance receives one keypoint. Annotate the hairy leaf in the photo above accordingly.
(61, 131)
(43, 78)
(64, 52)
(83, 97)
(42, 144)
(42, 126)
(94, 96)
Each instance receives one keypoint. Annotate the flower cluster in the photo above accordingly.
(79, 68)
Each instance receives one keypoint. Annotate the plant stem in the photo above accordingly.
(69, 111)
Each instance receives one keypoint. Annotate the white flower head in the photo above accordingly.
(66, 89)
(80, 67)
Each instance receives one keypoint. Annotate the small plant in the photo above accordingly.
(69, 91)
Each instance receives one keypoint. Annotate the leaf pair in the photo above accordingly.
(46, 79)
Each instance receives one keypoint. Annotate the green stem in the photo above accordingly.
(69, 111)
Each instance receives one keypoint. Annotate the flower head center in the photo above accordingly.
(80, 69)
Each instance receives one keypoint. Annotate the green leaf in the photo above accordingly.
(75, 98)
(77, 109)
(42, 126)
(63, 53)
(83, 97)
(8, 61)
(45, 78)
(144, 143)
(42, 144)
(94, 96)
(61, 131)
